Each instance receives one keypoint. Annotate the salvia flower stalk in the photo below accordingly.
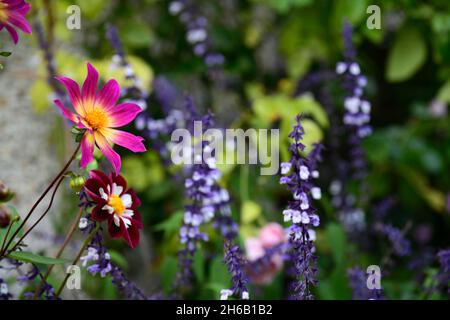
(299, 173)
(98, 116)
(356, 120)
(196, 31)
(12, 16)
(358, 283)
(97, 260)
(199, 211)
(236, 266)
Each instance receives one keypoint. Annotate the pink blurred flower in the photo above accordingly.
(98, 114)
(269, 236)
(12, 15)
(254, 249)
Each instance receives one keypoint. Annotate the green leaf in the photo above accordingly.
(168, 272)
(336, 237)
(283, 6)
(219, 273)
(199, 266)
(250, 211)
(5, 53)
(171, 224)
(34, 258)
(444, 93)
(406, 56)
(118, 258)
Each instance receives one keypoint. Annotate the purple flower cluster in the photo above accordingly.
(444, 260)
(137, 94)
(357, 109)
(400, 245)
(4, 291)
(443, 277)
(358, 283)
(26, 276)
(299, 173)
(236, 264)
(356, 120)
(204, 197)
(196, 31)
(100, 263)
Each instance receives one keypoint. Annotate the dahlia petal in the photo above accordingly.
(23, 10)
(92, 187)
(119, 180)
(66, 112)
(98, 214)
(100, 175)
(89, 89)
(134, 236)
(109, 94)
(74, 94)
(13, 33)
(109, 153)
(123, 114)
(134, 198)
(87, 149)
(126, 200)
(137, 220)
(19, 21)
(124, 139)
(117, 232)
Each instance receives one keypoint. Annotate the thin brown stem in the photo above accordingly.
(69, 236)
(77, 258)
(7, 233)
(27, 217)
(40, 218)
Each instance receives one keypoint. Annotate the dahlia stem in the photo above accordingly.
(40, 218)
(77, 258)
(7, 234)
(55, 180)
(69, 236)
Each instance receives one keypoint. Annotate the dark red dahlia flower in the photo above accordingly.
(12, 15)
(116, 204)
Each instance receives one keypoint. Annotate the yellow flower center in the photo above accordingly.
(3, 12)
(117, 204)
(96, 118)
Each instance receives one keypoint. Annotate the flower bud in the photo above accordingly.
(5, 217)
(5, 193)
(77, 183)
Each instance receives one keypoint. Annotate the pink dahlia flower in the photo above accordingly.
(115, 204)
(98, 114)
(12, 15)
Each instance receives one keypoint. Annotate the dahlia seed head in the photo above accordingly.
(5, 193)
(5, 217)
